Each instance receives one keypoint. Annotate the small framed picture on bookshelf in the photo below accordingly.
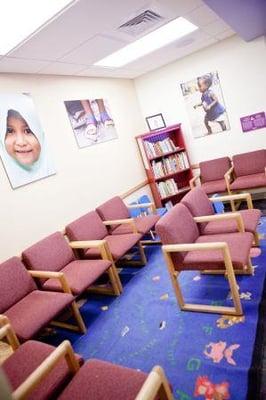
(155, 122)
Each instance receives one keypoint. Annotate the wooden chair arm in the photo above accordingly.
(155, 382)
(175, 248)
(240, 196)
(143, 205)
(223, 217)
(102, 245)
(52, 275)
(7, 331)
(64, 350)
(192, 182)
(129, 221)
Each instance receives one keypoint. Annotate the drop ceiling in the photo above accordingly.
(88, 31)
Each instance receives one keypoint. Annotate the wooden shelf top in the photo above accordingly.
(167, 154)
(180, 191)
(161, 178)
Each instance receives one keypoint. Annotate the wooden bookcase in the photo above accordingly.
(166, 164)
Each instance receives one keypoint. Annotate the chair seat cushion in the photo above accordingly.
(249, 181)
(35, 311)
(26, 359)
(80, 274)
(250, 219)
(212, 187)
(119, 245)
(239, 246)
(143, 223)
(98, 380)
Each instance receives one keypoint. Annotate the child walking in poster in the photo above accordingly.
(209, 115)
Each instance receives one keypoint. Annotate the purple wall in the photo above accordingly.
(246, 17)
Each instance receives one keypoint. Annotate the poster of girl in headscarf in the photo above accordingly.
(23, 147)
(205, 105)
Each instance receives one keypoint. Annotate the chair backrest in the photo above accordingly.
(198, 204)
(49, 254)
(88, 227)
(177, 226)
(249, 163)
(112, 209)
(15, 283)
(214, 170)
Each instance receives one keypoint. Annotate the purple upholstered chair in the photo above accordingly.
(37, 371)
(55, 254)
(24, 360)
(116, 209)
(91, 227)
(212, 175)
(28, 308)
(249, 170)
(185, 249)
(200, 205)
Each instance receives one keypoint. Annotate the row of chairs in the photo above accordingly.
(246, 171)
(194, 238)
(65, 265)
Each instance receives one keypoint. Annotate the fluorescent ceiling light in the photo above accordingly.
(162, 36)
(20, 18)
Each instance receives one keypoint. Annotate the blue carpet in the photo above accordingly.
(144, 327)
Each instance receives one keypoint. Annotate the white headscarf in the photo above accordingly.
(19, 175)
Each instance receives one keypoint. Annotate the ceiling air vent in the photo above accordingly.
(141, 23)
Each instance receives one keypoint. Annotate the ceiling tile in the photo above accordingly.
(58, 68)
(19, 65)
(76, 25)
(93, 50)
(201, 16)
(216, 27)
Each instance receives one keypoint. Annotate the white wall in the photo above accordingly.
(241, 67)
(85, 177)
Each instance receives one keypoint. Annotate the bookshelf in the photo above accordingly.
(166, 163)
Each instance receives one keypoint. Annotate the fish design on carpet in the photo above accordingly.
(211, 391)
(226, 321)
(217, 351)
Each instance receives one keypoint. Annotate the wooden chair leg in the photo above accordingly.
(236, 310)
(113, 280)
(256, 239)
(118, 280)
(78, 317)
(143, 258)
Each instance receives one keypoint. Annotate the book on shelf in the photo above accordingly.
(159, 147)
(171, 164)
(167, 188)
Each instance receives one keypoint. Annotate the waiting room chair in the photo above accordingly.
(54, 253)
(37, 371)
(30, 309)
(248, 171)
(91, 227)
(116, 209)
(200, 205)
(25, 359)
(212, 175)
(185, 249)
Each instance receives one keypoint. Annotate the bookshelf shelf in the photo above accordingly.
(167, 154)
(166, 164)
(161, 178)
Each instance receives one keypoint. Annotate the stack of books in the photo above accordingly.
(170, 165)
(167, 188)
(160, 147)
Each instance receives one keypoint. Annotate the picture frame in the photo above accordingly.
(155, 122)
